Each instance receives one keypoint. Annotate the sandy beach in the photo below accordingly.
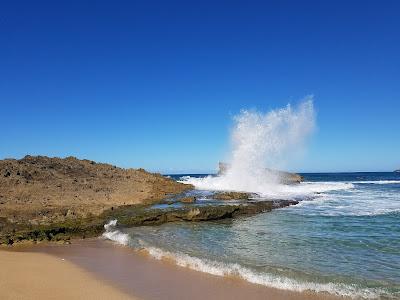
(99, 269)
(27, 275)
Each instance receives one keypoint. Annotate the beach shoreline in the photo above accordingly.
(135, 274)
(36, 275)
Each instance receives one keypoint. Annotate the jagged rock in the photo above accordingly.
(231, 196)
(131, 216)
(72, 188)
(46, 209)
(40, 195)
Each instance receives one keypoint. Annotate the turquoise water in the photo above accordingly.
(343, 239)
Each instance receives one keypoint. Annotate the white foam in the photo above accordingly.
(275, 190)
(355, 202)
(234, 269)
(115, 235)
(270, 280)
(323, 198)
(377, 182)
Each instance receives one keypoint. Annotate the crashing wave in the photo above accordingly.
(233, 269)
(114, 234)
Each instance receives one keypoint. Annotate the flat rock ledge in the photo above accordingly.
(233, 196)
(135, 217)
(132, 215)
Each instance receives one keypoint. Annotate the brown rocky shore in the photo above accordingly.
(38, 192)
(57, 199)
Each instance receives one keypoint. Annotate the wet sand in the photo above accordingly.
(139, 275)
(27, 275)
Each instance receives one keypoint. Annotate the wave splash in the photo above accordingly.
(261, 141)
(111, 233)
(273, 191)
(237, 270)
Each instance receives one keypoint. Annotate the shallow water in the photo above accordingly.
(343, 238)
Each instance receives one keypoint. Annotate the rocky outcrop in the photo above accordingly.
(42, 190)
(232, 196)
(56, 199)
(185, 199)
(284, 177)
(132, 215)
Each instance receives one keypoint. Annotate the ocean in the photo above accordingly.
(342, 238)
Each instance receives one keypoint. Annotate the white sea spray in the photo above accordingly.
(261, 141)
(113, 234)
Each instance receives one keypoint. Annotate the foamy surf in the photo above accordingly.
(111, 233)
(304, 189)
(219, 268)
(284, 283)
(377, 182)
(356, 203)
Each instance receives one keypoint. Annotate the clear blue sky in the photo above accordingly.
(155, 85)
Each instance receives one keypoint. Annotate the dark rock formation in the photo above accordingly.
(232, 196)
(134, 216)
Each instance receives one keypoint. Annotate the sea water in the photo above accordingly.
(342, 238)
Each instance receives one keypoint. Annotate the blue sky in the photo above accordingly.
(155, 84)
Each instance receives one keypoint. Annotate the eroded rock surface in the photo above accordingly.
(134, 216)
(41, 189)
(55, 199)
(232, 196)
